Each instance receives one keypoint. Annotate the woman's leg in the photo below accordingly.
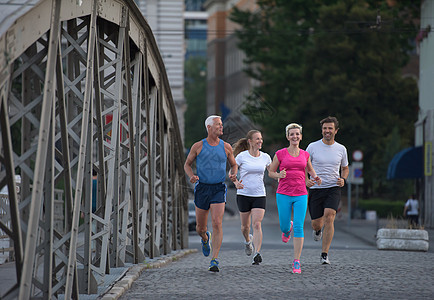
(300, 207)
(257, 216)
(245, 225)
(284, 206)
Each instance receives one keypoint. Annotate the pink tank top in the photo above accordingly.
(294, 184)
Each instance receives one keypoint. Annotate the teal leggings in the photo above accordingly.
(284, 207)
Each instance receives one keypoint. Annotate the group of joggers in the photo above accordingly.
(306, 178)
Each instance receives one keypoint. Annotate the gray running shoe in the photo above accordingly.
(249, 246)
(257, 259)
(325, 260)
(317, 235)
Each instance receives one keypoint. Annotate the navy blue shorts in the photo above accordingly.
(207, 194)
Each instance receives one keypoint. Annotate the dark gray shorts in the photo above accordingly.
(319, 199)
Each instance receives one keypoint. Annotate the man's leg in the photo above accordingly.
(329, 229)
(316, 209)
(201, 223)
(217, 211)
(317, 224)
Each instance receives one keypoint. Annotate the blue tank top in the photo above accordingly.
(211, 163)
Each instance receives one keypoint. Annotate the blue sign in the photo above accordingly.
(358, 173)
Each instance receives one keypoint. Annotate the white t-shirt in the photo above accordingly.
(327, 161)
(252, 173)
(414, 205)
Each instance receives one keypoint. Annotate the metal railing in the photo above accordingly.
(84, 98)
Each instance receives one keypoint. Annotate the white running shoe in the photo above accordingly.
(317, 236)
(249, 245)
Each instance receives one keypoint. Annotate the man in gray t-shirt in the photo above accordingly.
(330, 162)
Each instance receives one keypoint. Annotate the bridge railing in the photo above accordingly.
(86, 108)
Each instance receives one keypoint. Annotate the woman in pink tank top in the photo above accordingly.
(293, 163)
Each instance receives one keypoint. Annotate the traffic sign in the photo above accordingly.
(358, 155)
(356, 173)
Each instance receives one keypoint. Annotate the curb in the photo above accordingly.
(125, 282)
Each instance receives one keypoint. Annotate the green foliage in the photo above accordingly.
(384, 208)
(273, 46)
(195, 93)
(392, 188)
(320, 58)
(355, 74)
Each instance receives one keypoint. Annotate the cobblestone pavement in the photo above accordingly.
(352, 274)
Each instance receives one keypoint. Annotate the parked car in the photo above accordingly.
(191, 216)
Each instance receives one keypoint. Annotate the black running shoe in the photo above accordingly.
(257, 259)
(325, 259)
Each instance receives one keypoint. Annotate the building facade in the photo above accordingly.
(424, 128)
(195, 20)
(166, 18)
(227, 84)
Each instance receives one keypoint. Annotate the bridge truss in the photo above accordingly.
(86, 109)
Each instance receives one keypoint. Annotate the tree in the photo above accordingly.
(274, 40)
(353, 71)
(195, 93)
(319, 58)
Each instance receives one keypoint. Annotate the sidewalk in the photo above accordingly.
(366, 230)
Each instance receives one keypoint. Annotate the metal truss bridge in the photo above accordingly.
(90, 151)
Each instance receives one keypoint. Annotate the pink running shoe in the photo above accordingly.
(296, 267)
(287, 236)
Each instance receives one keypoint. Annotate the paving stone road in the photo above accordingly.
(352, 274)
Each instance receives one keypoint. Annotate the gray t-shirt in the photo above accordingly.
(327, 161)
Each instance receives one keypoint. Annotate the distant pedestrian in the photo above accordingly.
(251, 190)
(328, 158)
(211, 155)
(293, 163)
(411, 211)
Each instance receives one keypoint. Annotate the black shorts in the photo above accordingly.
(246, 203)
(319, 199)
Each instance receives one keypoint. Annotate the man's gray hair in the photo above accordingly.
(210, 121)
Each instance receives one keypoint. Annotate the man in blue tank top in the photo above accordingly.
(211, 155)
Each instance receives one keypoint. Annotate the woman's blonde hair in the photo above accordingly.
(243, 144)
(293, 126)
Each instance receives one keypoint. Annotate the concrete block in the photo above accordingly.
(413, 234)
(402, 239)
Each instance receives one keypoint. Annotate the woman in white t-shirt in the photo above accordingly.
(251, 189)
